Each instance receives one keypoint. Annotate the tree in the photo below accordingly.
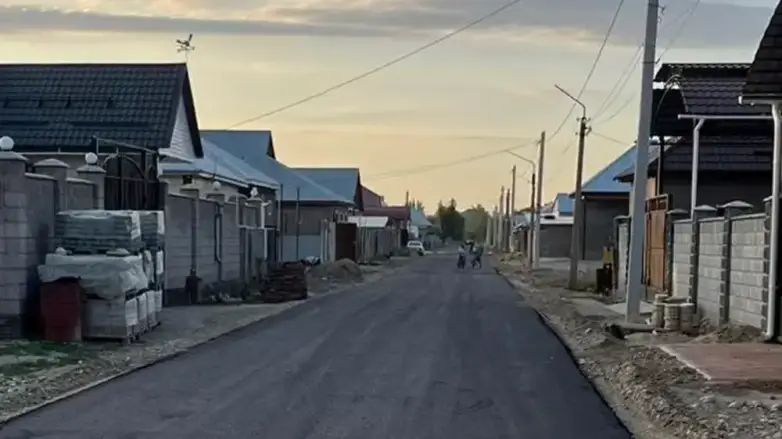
(416, 204)
(450, 220)
(476, 222)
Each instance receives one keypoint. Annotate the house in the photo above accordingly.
(563, 205)
(763, 88)
(371, 198)
(419, 224)
(345, 182)
(399, 216)
(731, 150)
(298, 196)
(131, 115)
(234, 175)
(604, 198)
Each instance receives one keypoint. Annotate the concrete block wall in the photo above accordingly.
(748, 291)
(214, 238)
(712, 268)
(28, 205)
(683, 270)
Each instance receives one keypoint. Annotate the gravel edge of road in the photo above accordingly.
(198, 344)
(634, 417)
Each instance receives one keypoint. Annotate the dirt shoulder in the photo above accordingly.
(653, 393)
(38, 373)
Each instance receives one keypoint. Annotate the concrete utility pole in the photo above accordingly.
(578, 214)
(512, 210)
(530, 246)
(539, 207)
(635, 287)
(500, 221)
(506, 241)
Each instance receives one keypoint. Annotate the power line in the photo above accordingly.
(625, 78)
(380, 67)
(436, 166)
(592, 69)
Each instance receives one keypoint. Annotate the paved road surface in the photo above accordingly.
(431, 354)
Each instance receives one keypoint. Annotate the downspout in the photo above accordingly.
(696, 151)
(772, 326)
(218, 233)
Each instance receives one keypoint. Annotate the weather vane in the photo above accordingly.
(185, 46)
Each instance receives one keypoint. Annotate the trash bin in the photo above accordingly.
(61, 306)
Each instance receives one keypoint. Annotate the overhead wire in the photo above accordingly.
(379, 68)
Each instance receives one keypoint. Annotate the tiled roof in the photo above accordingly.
(741, 154)
(248, 139)
(290, 180)
(765, 76)
(345, 182)
(51, 106)
(704, 89)
(701, 70)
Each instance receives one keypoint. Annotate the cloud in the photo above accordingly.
(539, 21)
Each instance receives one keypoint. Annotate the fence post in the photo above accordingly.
(732, 210)
(701, 212)
(672, 216)
(58, 170)
(15, 244)
(767, 258)
(97, 176)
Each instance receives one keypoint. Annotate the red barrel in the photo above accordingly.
(61, 306)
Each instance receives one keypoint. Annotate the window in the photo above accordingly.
(187, 179)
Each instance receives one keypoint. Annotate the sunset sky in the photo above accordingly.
(487, 89)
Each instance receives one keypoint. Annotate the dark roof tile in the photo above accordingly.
(66, 105)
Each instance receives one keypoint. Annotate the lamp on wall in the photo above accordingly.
(6, 143)
(91, 158)
(254, 192)
(216, 186)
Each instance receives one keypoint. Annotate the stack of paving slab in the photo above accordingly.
(117, 255)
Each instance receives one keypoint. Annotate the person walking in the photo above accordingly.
(477, 257)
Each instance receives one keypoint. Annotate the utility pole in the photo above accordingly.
(578, 215)
(506, 242)
(512, 210)
(407, 198)
(530, 246)
(500, 220)
(539, 206)
(635, 288)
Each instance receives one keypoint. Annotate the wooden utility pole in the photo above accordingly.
(506, 241)
(530, 235)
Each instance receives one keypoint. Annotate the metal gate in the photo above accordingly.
(655, 251)
(345, 239)
(131, 176)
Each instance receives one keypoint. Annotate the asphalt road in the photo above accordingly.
(430, 354)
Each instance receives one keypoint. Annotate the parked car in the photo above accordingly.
(416, 246)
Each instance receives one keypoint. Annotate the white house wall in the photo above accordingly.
(181, 140)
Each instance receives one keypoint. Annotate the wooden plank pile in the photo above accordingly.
(285, 282)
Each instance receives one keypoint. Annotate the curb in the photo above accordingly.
(638, 428)
(73, 392)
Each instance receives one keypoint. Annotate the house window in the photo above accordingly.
(187, 179)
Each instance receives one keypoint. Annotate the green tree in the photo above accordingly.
(476, 221)
(416, 204)
(450, 220)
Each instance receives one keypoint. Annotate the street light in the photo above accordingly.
(6, 143)
(578, 220)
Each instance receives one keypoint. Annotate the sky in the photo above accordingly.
(412, 127)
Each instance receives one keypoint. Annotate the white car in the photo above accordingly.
(416, 246)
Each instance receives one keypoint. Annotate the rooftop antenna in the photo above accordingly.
(185, 46)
